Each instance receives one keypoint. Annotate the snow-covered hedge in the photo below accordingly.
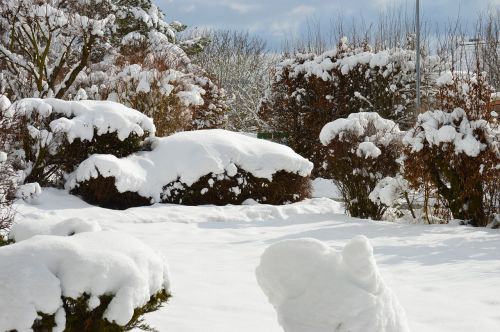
(315, 288)
(56, 135)
(361, 150)
(310, 90)
(86, 282)
(199, 167)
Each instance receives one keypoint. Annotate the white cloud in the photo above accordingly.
(241, 8)
(188, 9)
(303, 10)
(283, 28)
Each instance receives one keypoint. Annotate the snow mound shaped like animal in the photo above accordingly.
(188, 156)
(35, 273)
(317, 289)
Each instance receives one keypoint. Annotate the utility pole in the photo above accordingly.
(417, 52)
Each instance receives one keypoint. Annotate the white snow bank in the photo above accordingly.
(35, 273)
(79, 119)
(317, 289)
(27, 228)
(188, 156)
(325, 188)
(29, 192)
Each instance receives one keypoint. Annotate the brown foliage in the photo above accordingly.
(284, 188)
(102, 192)
(356, 176)
(302, 104)
(469, 185)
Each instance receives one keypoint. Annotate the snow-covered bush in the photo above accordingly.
(90, 281)
(54, 136)
(161, 82)
(361, 150)
(455, 149)
(317, 289)
(198, 167)
(105, 49)
(311, 90)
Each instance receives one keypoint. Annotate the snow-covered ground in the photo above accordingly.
(446, 277)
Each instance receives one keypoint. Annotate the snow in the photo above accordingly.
(4, 103)
(36, 272)
(358, 124)
(3, 157)
(437, 127)
(29, 191)
(188, 156)
(446, 78)
(325, 188)
(320, 65)
(445, 276)
(389, 190)
(26, 229)
(79, 119)
(315, 288)
(368, 150)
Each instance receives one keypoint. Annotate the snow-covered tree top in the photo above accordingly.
(187, 156)
(385, 62)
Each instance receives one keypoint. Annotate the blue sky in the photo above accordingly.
(275, 20)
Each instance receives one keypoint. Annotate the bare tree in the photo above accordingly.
(240, 63)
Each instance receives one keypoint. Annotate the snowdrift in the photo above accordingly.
(198, 167)
(317, 289)
(37, 272)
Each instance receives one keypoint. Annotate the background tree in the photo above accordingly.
(240, 63)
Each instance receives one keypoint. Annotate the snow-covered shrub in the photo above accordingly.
(167, 87)
(317, 289)
(455, 149)
(361, 150)
(54, 136)
(198, 167)
(309, 90)
(91, 281)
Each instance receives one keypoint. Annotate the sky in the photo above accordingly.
(276, 20)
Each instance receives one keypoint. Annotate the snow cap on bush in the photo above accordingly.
(437, 128)
(79, 119)
(357, 123)
(317, 289)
